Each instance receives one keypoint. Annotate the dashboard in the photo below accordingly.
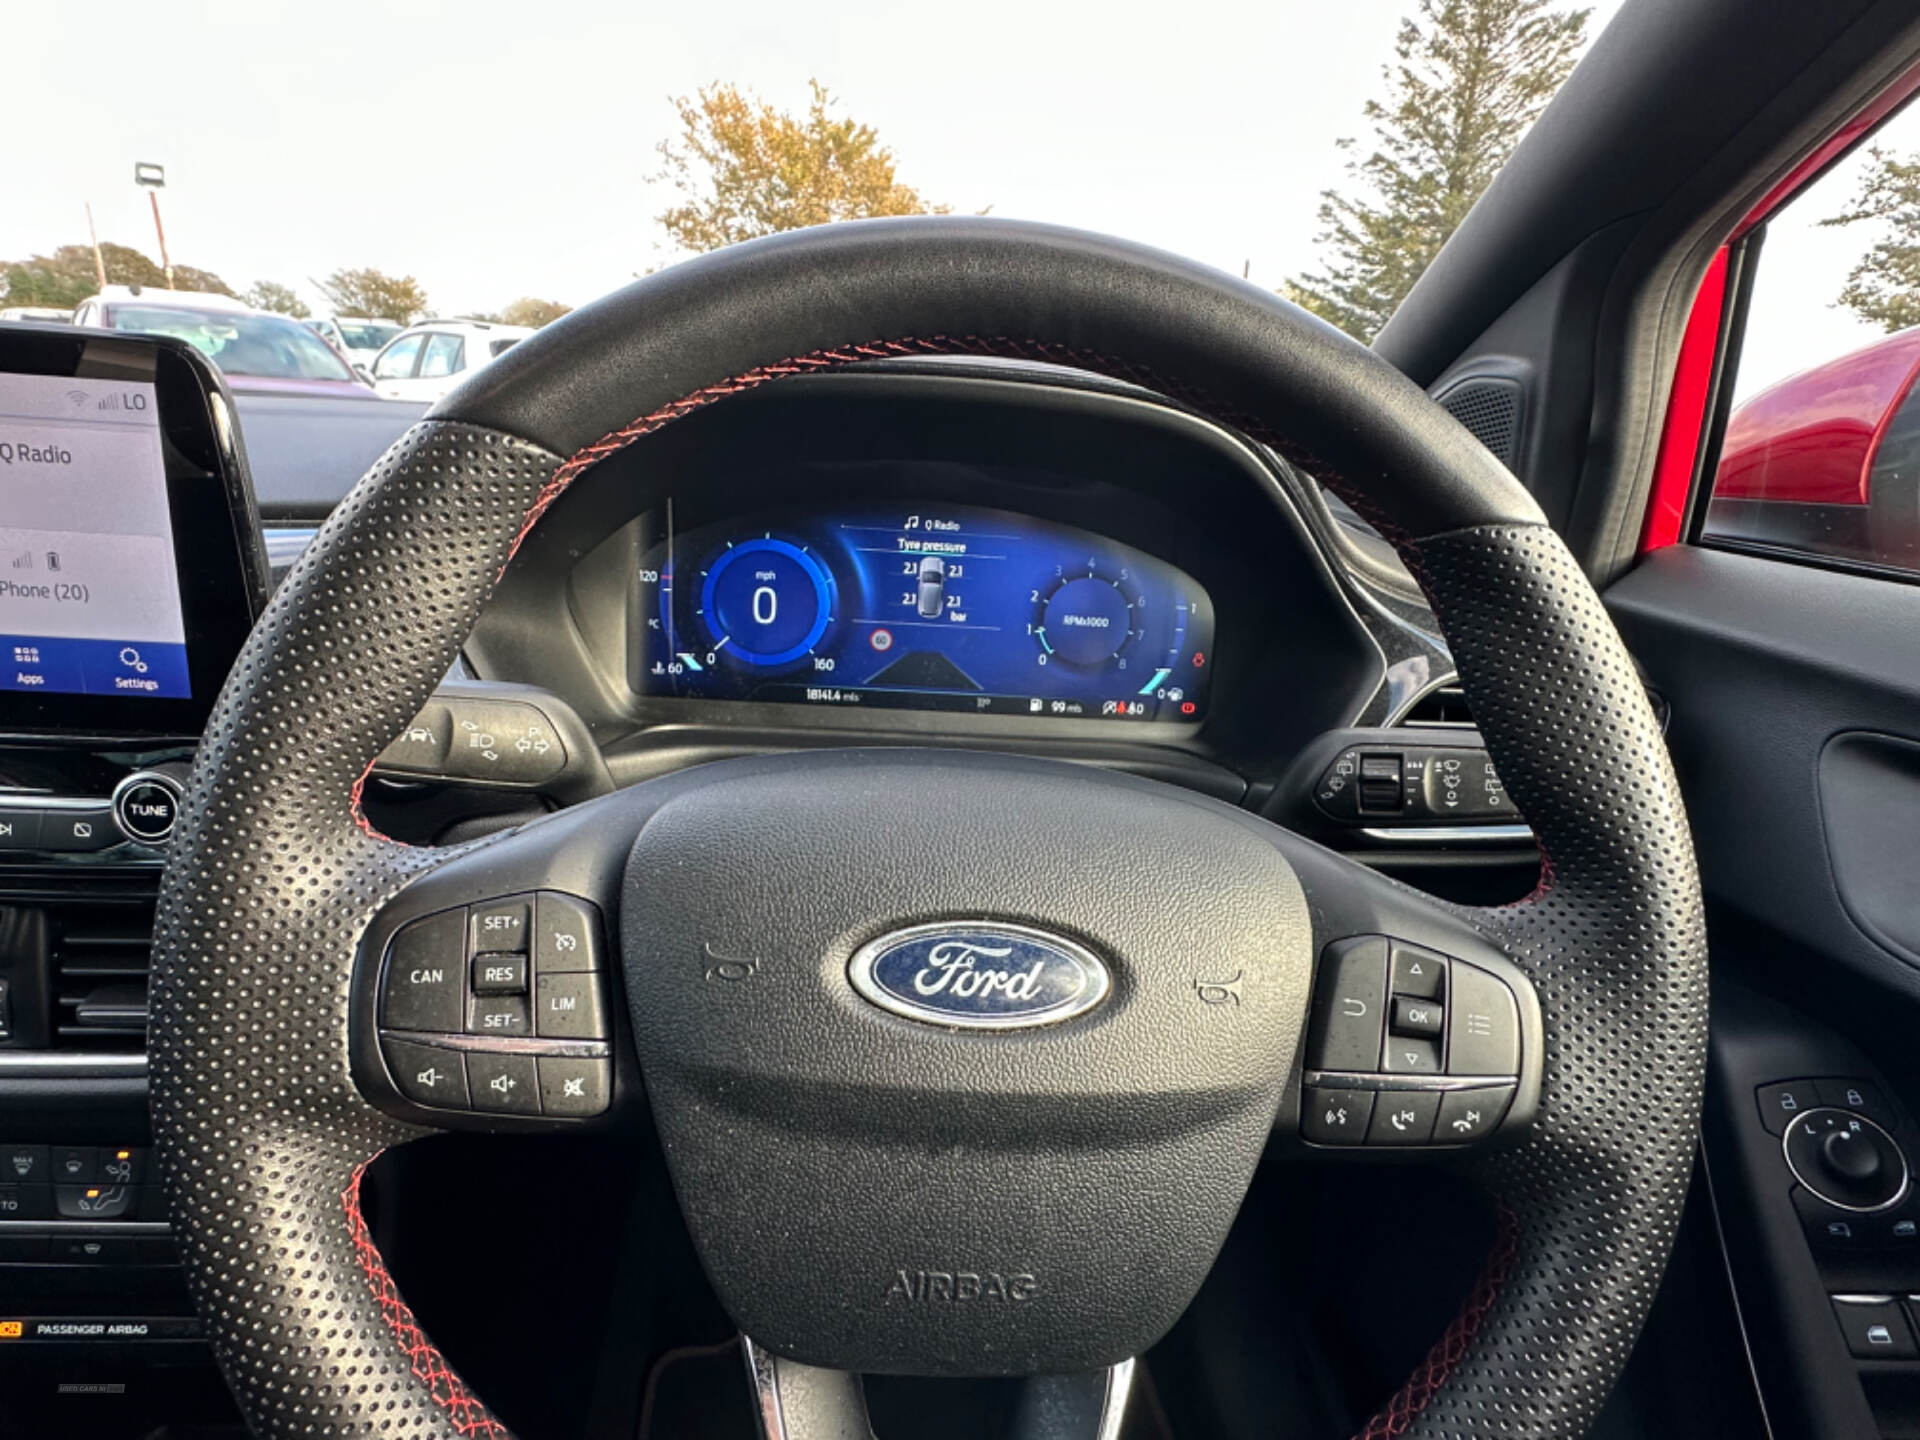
(943, 554)
(920, 605)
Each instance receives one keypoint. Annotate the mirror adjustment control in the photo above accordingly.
(1845, 1159)
(1350, 1000)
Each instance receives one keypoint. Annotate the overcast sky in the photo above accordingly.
(502, 149)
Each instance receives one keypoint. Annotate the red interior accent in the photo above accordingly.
(469, 1416)
(1686, 406)
(1396, 1417)
(1686, 411)
(1831, 149)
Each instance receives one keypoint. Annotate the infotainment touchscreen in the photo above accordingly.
(89, 589)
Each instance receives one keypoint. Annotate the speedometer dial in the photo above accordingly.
(765, 603)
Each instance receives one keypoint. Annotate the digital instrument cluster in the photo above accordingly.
(939, 607)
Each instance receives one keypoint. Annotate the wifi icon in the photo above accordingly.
(77, 398)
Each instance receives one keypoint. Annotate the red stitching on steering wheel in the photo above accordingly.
(469, 1416)
(1399, 1413)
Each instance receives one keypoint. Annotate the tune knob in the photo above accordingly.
(1845, 1159)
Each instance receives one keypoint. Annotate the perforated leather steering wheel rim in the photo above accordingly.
(262, 1134)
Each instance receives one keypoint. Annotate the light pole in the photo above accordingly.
(153, 179)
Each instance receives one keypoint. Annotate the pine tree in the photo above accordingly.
(1468, 78)
(1883, 288)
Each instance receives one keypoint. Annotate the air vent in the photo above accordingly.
(1489, 406)
(1446, 705)
(99, 954)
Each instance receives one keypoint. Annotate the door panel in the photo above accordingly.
(1795, 695)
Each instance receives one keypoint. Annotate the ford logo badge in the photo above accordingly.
(979, 975)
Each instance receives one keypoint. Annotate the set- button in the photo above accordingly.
(523, 968)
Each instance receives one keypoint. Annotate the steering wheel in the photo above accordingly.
(870, 1192)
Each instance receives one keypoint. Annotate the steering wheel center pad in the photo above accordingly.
(824, 1149)
(274, 882)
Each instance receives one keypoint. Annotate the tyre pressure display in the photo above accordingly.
(940, 607)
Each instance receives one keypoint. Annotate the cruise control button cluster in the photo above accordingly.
(469, 994)
(1392, 1023)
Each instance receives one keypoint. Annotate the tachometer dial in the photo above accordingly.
(1084, 621)
(765, 602)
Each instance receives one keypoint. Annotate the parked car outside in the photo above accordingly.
(427, 360)
(1829, 459)
(358, 337)
(258, 352)
(36, 314)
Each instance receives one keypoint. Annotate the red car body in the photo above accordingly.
(1829, 459)
(1813, 437)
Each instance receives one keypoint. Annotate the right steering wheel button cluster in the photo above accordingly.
(1398, 1031)
(500, 1007)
